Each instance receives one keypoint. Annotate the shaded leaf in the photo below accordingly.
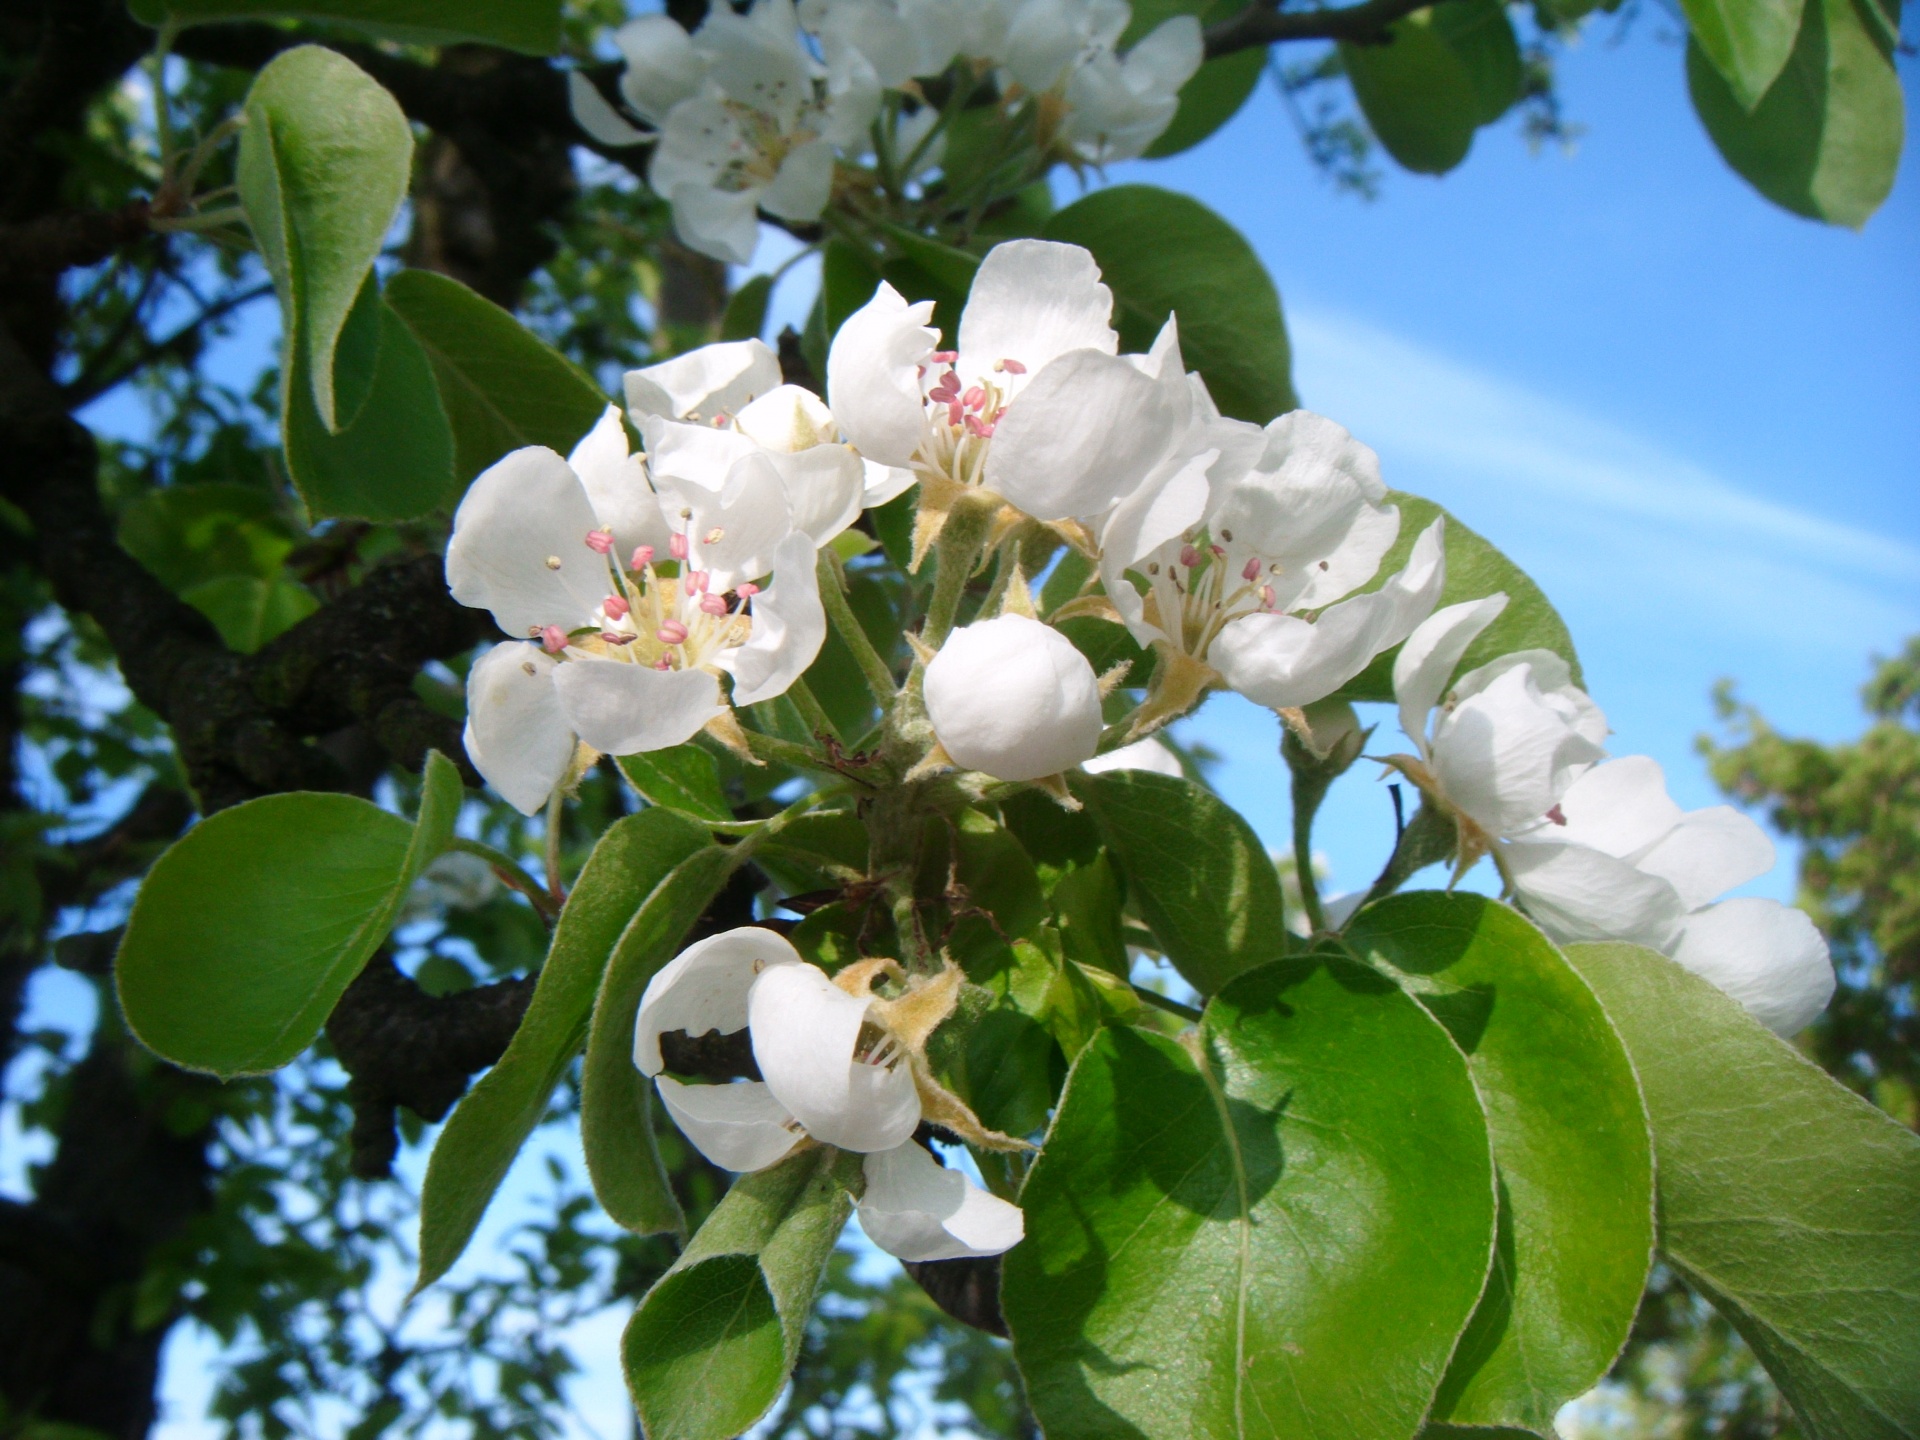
(532, 26)
(1747, 41)
(683, 778)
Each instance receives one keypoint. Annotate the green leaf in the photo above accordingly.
(1086, 905)
(684, 778)
(246, 931)
(746, 313)
(324, 164)
(1569, 1138)
(1474, 568)
(1747, 41)
(248, 611)
(1443, 72)
(847, 281)
(1160, 252)
(394, 459)
(1825, 139)
(1787, 1200)
(186, 535)
(502, 386)
(1196, 870)
(616, 1100)
(1274, 1228)
(485, 1132)
(531, 26)
(710, 1347)
(1209, 100)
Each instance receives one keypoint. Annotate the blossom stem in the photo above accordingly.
(958, 550)
(1162, 1002)
(851, 632)
(1311, 781)
(1431, 837)
(812, 711)
(509, 872)
(784, 752)
(554, 803)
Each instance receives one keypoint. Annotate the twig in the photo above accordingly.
(1267, 24)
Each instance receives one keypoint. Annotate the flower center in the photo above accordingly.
(1194, 589)
(667, 618)
(961, 418)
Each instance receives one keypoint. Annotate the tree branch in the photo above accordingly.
(1266, 24)
(70, 239)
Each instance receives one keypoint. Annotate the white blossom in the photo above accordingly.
(1234, 569)
(1622, 861)
(839, 1065)
(1012, 697)
(619, 655)
(1148, 754)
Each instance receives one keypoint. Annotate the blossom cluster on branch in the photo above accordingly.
(656, 591)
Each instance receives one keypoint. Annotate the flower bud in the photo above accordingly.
(1013, 698)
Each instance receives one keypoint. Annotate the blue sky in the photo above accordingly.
(1694, 419)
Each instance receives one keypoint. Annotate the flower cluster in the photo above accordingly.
(751, 112)
(650, 593)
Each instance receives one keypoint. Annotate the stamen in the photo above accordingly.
(747, 590)
(1266, 597)
(1226, 534)
(677, 546)
(554, 639)
(642, 558)
(1012, 367)
(944, 357)
(713, 536)
(974, 399)
(614, 637)
(985, 432)
(600, 542)
(713, 605)
(1251, 570)
(671, 632)
(1557, 815)
(955, 414)
(616, 608)
(553, 562)
(663, 663)
(527, 665)
(1189, 556)
(698, 582)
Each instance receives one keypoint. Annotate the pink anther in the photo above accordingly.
(554, 639)
(600, 541)
(677, 546)
(747, 590)
(663, 663)
(1189, 556)
(616, 608)
(1251, 570)
(1557, 815)
(976, 427)
(671, 632)
(955, 414)
(974, 399)
(944, 357)
(698, 582)
(713, 605)
(1266, 597)
(642, 557)
(614, 637)
(1218, 553)
(1013, 367)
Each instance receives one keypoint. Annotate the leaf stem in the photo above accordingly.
(852, 633)
(812, 711)
(510, 873)
(1163, 1002)
(554, 803)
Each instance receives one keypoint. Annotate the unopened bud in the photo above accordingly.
(1013, 698)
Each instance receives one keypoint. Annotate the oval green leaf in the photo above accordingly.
(1788, 1201)
(1825, 139)
(1277, 1230)
(1747, 41)
(683, 777)
(713, 1342)
(484, 1133)
(1162, 253)
(248, 929)
(616, 1100)
(501, 385)
(1193, 865)
(324, 163)
(1569, 1139)
(1474, 568)
(1417, 94)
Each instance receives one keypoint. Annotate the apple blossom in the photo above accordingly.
(1012, 698)
(1623, 862)
(1118, 105)
(618, 655)
(1036, 408)
(836, 1064)
(1148, 754)
(1210, 562)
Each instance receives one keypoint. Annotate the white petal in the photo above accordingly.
(1621, 808)
(1354, 560)
(1082, 434)
(1766, 955)
(718, 223)
(1168, 503)
(1168, 56)
(662, 66)
(1043, 40)
(917, 1209)
(1148, 754)
(756, 59)
(519, 545)
(883, 483)
(872, 387)
(518, 735)
(826, 489)
(623, 708)
(805, 181)
(1576, 893)
(738, 1127)
(1013, 698)
(712, 380)
(788, 419)
(701, 455)
(789, 626)
(616, 483)
(1032, 301)
(1282, 661)
(704, 989)
(731, 534)
(1708, 853)
(804, 1028)
(1426, 662)
(593, 114)
(1507, 755)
